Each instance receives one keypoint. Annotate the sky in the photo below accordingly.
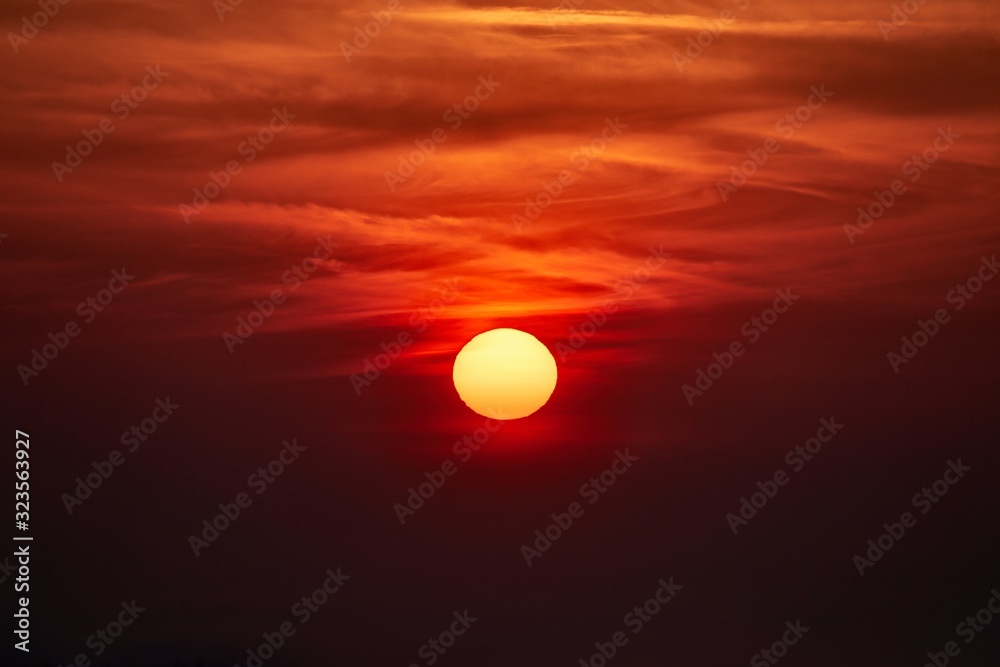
(727, 220)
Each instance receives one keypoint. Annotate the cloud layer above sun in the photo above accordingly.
(538, 154)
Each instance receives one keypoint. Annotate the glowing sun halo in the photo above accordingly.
(504, 374)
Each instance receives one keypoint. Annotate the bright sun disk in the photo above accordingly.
(504, 374)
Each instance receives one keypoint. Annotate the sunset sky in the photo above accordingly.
(658, 173)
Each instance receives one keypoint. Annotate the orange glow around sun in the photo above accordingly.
(504, 374)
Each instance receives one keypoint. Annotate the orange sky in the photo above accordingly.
(610, 107)
(559, 81)
(593, 100)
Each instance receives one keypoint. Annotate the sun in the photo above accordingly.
(504, 374)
